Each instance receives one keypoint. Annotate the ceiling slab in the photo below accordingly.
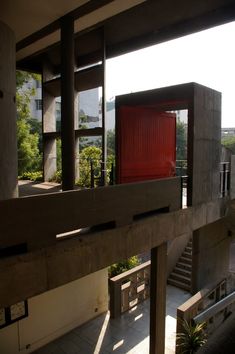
(144, 24)
(26, 17)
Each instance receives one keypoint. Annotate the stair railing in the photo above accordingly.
(198, 303)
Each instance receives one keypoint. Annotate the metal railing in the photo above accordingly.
(129, 288)
(96, 173)
(224, 179)
(198, 303)
(181, 168)
(215, 315)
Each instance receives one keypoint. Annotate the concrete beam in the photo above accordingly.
(37, 220)
(29, 274)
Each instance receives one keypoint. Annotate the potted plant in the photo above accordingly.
(192, 337)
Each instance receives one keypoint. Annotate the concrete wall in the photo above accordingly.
(205, 130)
(211, 245)
(56, 312)
(175, 250)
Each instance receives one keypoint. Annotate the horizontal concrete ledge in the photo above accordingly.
(83, 80)
(78, 133)
(30, 274)
(36, 221)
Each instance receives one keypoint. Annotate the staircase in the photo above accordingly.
(181, 275)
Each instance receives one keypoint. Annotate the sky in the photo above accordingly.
(207, 57)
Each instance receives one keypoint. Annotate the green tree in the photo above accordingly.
(29, 158)
(58, 154)
(111, 142)
(181, 141)
(229, 143)
(89, 154)
(92, 154)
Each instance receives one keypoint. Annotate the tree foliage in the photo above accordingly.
(123, 266)
(229, 143)
(90, 154)
(29, 158)
(181, 141)
(111, 142)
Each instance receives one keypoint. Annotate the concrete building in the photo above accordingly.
(55, 248)
(227, 132)
(88, 105)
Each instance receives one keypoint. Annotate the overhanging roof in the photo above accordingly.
(128, 25)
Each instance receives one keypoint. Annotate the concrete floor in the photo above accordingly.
(127, 334)
(27, 188)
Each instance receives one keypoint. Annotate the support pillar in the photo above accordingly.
(8, 139)
(49, 125)
(67, 103)
(158, 299)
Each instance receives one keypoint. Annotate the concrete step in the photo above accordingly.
(188, 249)
(178, 284)
(185, 260)
(183, 271)
(187, 254)
(185, 266)
(180, 278)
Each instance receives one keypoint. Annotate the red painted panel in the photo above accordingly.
(146, 144)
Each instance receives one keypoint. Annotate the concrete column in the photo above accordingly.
(67, 103)
(158, 299)
(8, 140)
(204, 145)
(49, 159)
(49, 125)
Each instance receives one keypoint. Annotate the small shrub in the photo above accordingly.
(32, 176)
(57, 177)
(192, 338)
(123, 266)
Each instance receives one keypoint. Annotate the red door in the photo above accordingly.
(146, 144)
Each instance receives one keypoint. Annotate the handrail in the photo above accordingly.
(214, 309)
(201, 301)
(224, 178)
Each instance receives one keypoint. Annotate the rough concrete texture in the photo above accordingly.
(222, 341)
(206, 135)
(49, 125)
(36, 272)
(49, 159)
(63, 212)
(211, 245)
(8, 145)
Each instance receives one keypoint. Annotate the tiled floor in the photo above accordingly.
(128, 334)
